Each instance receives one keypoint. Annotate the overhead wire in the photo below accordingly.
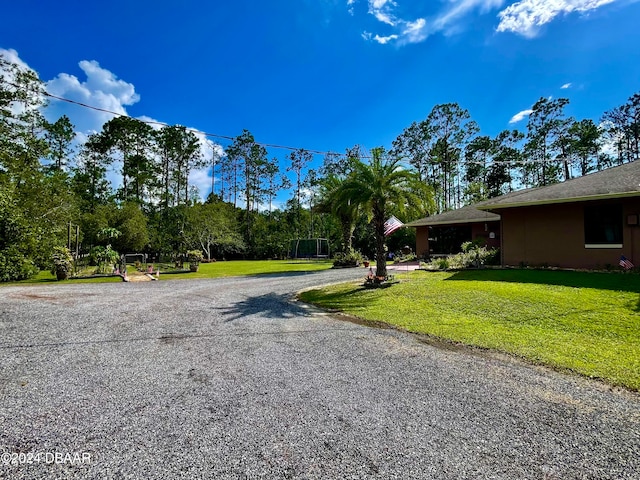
(276, 146)
(194, 130)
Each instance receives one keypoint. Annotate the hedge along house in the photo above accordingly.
(587, 222)
(444, 234)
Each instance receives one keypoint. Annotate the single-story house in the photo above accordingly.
(587, 222)
(444, 233)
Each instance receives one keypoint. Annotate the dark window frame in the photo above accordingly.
(603, 225)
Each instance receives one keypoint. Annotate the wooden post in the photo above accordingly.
(77, 241)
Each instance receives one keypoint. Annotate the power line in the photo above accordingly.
(194, 130)
(283, 147)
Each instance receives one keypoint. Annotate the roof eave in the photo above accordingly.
(554, 201)
(453, 222)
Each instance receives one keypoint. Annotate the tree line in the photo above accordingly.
(47, 183)
(464, 167)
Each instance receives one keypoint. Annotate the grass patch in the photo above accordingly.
(238, 268)
(233, 268)
(585, 322)
(45, 277)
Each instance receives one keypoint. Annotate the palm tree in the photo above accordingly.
(379, 188)
(345, 211)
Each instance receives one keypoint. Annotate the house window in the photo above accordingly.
(603, 226)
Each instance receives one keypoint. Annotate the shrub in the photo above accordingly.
(352, 258)
(62, 262)
(472, 255)
(194, 257)
(409, 257)
(15, 266)
(493, 258)
(103, 257)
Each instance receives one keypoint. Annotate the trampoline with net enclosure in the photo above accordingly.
(309, 248)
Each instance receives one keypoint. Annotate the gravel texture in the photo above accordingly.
(230, 378)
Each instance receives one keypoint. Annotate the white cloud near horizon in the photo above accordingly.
(101, 89)
(527, 16)
(11, 55)
(520, 116)
(566, 85)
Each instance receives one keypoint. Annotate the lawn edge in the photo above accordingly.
(444, 343)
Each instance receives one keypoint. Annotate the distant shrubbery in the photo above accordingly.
(104, 258)
(408, 257)
(472, 256)
(15, 266)
(352, 258)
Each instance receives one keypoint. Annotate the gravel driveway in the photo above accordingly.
(229, 378)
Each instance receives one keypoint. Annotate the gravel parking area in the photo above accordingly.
(229, 378)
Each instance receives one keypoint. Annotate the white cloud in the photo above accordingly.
(101, 89)
(527, 16)
(459, 8)
(524, 17)
(520, 116)
(384, 18)
(417, 30)
(12, 56)
(565, 86)
(152, 122)
(201, 179)
(18, 108)
(381, 9)
(609, 139)
(378, 4)
(384, 40)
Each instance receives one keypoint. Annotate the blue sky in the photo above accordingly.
(325, 74)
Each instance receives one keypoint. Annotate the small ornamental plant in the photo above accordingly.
(194, 257)
(62, 263)
(352, 258)
(373, 281)
(104, 258)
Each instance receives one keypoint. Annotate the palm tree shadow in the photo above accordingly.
(268, 306)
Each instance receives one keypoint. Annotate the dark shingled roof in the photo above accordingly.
(468, 214)
(615, 182)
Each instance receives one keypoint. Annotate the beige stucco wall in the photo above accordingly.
(553, 235)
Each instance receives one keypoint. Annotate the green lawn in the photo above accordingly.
(237, 268)
(208, 270)
(46, 277)
(586, 322)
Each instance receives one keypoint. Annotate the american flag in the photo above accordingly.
(625, 263)
(392, 225)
